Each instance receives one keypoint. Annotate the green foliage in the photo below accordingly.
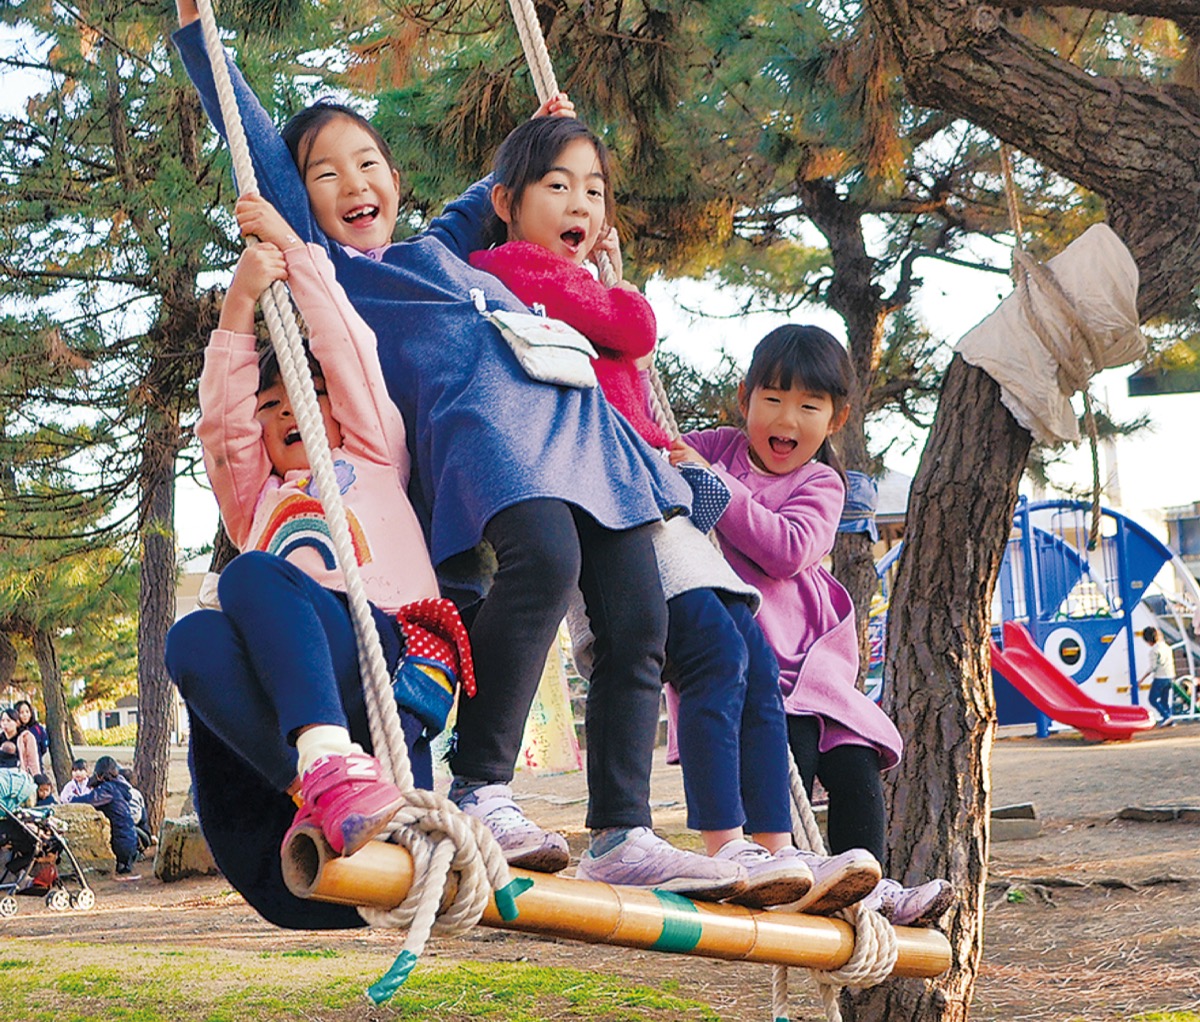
(123, 736)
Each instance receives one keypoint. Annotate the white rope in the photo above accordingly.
(533, 43)
(440, 837)
(875, 947)
(875, 950)
(1077, 359)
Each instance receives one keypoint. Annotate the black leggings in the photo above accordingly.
(850, 773)
(545, 549)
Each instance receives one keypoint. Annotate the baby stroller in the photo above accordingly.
(39, 860)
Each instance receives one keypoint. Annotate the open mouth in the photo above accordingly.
(292, 437)
(782, 446)
(574, 237)
(361, 215)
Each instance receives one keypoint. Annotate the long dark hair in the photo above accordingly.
(808, 357)
(106, 769)
(301, 131)
(527, 155)
(32, 712)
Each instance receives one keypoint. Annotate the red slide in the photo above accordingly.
(1024, 667)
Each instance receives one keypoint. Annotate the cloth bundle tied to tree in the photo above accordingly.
(1065, 320)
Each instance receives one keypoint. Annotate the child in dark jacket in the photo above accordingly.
(110, 794)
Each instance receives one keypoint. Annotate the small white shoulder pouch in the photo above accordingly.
(549, 350)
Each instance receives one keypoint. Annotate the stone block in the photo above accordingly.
(182, 851)
(88, 835)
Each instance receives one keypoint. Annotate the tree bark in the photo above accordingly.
(156, 608)
(939, 676)
(8, 659)
(1134, 143)
(57, 716)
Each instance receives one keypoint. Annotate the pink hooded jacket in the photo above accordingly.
(263, 511)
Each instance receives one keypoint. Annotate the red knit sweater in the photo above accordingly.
(619, 323)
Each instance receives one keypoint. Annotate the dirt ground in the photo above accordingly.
(1094, 918)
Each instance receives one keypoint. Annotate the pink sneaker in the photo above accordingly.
(348, 799)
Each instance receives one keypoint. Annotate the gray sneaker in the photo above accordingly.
(643, 859)
(923, 905)
(523, 842)
(770, 879)
(838, 880)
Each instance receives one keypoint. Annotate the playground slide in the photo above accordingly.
(1024, 667)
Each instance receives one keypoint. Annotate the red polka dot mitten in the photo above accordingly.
(437, 657)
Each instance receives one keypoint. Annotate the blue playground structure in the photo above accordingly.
(1062, 611)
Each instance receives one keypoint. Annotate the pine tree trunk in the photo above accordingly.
(939, 678)
(57, 716)
(156, 609)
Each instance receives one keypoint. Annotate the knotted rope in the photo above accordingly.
(1078, 357)
(441, 839)
(875, 949)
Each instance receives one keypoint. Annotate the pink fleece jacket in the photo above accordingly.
(775, 534)
(618, 322)
(281, 515)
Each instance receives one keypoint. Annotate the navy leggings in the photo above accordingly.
(731, 725)
(544, 549)
(850, 773)
(279, 655)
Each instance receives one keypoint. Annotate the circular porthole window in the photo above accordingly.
(1064, 647)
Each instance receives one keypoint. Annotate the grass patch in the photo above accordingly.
(1166, 1016)
(227, 985)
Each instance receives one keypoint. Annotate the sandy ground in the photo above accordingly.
(1094, 918)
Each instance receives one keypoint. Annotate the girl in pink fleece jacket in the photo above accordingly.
(787, 492)
(273, 676)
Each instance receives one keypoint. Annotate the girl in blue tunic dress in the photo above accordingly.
(557, 483)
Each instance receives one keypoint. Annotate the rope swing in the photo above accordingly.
(458, 874)
(440, 837)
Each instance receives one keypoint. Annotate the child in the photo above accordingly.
(137, 809)
(109, 794)
(787, 494)
(555, 482)
(552, 195)
(281, 651)
(77, 785)
(45, 791)
(1161, 673)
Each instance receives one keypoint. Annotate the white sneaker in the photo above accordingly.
(770, 879)
(643, 859)
(923, 905)
(838, 880)
(523, 842)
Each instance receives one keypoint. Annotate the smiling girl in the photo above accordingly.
(787, 494)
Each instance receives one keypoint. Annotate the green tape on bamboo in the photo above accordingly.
(392, 980)
(681, 924)
(506, 897)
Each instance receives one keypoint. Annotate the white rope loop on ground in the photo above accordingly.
(440, 837)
